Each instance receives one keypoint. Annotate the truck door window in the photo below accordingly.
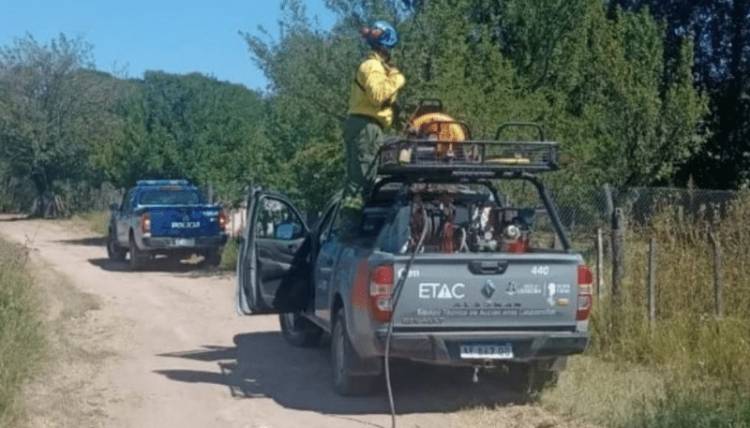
(276, 220)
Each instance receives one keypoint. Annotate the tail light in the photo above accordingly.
(381, 289)
(585, 301)
(146, 223)
(222, 220)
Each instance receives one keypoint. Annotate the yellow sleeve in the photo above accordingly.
(379, 86)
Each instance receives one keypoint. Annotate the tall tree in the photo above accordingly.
(53, 109)
(720, 31)
(597, 81)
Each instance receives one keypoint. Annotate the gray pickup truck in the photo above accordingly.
(493, 281)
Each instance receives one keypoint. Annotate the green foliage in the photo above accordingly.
(598, 83)
(194, 127)
(229, 255)
(21, 338)
(53, 109)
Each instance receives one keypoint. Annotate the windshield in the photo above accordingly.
(170, 196)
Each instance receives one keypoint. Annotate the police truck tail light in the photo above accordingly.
(381, 289)
(585, 301)
(222, 220)
(146, 223)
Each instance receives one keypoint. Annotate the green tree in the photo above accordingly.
(54, 107)
(190, 126)
(596, 78)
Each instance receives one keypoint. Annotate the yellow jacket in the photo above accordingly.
(374, 89)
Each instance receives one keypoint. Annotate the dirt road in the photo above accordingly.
(164, 348)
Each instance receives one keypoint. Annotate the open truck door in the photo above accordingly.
(270, 248)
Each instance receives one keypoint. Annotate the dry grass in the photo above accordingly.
(21, 335)
(94, 221)
(690, 369)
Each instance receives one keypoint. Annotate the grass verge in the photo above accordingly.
(95, 221)
(229, 255)
(689, 368)
(21, 332)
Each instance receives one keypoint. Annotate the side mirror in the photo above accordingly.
(114, 207)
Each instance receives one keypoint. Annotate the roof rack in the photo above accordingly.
(417, 157)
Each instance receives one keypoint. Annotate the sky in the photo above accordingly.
(177, 36)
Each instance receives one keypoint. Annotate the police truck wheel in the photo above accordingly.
(343, 358)
(212, 258)
(114, 252)
(137, 257)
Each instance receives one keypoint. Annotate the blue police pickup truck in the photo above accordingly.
(165, 217)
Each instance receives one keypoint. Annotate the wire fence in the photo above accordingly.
(584, 213)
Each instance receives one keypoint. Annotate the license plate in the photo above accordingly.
(489, 351)
(184, 242)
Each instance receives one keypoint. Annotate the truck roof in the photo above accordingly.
(169, 182)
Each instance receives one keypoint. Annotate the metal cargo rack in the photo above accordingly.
(418, 157)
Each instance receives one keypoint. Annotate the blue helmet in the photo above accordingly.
(387, 37)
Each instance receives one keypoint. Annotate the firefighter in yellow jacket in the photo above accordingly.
(374, 90)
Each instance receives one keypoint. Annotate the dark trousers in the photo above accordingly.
(362, 138)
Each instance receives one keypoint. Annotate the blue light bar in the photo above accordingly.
(162, 183)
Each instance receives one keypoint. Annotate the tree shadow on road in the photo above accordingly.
(262, 364)
(162, 265)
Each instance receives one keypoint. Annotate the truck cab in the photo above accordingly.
(165, 217)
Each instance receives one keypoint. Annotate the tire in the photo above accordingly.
(212, 258)
(343, 358)
(114, 252)
(531, 378)
(137, 257)
(299, 331)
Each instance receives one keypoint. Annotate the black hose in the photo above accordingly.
(394, 302)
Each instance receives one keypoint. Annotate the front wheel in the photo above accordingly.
(299, 331)
(344, 358)
(114, 252)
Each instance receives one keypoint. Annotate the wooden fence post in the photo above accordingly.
(618, 253)
(599, 262)
(651, 283)
(718, 292)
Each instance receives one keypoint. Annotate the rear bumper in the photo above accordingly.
(444, 347)
(172, 244)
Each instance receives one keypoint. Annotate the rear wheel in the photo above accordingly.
(138, 258)
(114, 252)
(212, 257)
(299, 331)
(344, 358)
(531, 378)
